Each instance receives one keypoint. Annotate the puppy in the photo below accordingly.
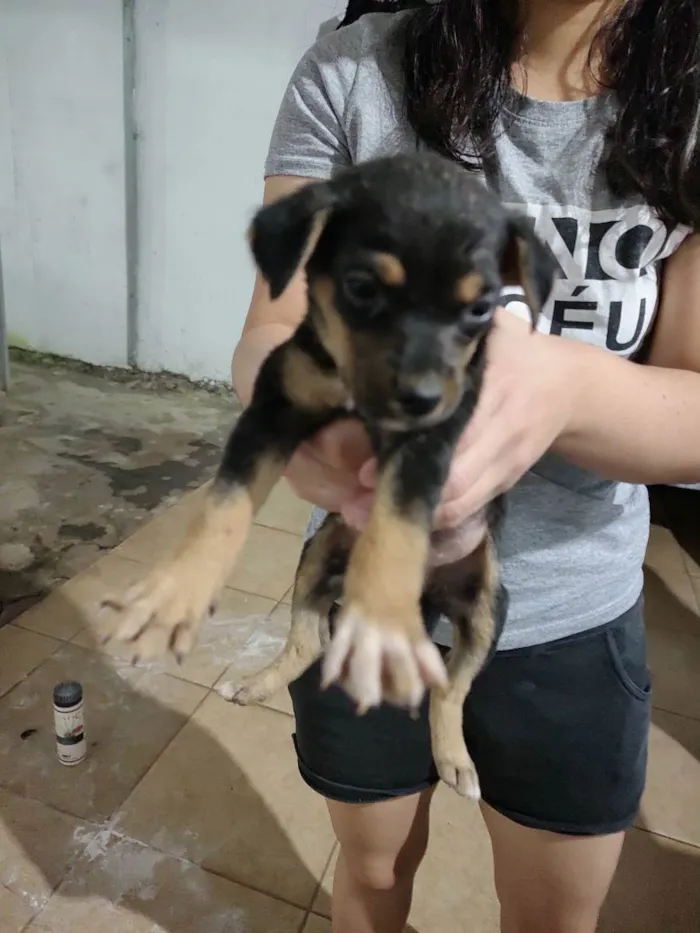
(407, 257)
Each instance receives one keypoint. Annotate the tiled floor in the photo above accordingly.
(189, 814)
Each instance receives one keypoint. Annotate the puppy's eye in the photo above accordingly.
(481, 309)
(360, 286)
(476, 315)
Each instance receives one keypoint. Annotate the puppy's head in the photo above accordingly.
(406, 260)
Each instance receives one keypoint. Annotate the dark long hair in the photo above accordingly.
(457, 69)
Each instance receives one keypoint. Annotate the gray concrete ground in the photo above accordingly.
(85, 457)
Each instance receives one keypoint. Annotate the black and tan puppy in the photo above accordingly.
(407, 259)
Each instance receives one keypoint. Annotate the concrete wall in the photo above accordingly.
(209, 78)
(62, 176)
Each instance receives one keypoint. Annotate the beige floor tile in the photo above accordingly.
(664, 555)
(220, 642)
(159, 535)
(20, 653)
(670, 602)
(268, 563)
(656, 889)
(14, 912)
(37, 846)
(65, 612)
(265, 641)
(674, 658)
(227, 795)
(455, 882)
(131, 715)
(120, 886)
(284, 510)
(316, 924)
(671, 805)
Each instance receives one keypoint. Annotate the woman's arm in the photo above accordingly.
(268, 323)
(641, 424)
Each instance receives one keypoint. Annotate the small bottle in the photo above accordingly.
(69, 724)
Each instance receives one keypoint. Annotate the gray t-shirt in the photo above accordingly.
(573, 543)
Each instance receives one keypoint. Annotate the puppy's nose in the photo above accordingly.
(420, 397)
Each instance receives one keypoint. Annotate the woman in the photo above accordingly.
(584, 115)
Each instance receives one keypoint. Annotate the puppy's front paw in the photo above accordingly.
(163, 613)
(376, 661)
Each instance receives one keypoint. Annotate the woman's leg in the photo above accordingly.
(559, 736)
(377, 774)
(381, 847)
(549, 883)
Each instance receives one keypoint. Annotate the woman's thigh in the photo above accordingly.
(381, 756)
(559, 737)
(377, 774)
(548, 882)
(559, 732)
(383, 843)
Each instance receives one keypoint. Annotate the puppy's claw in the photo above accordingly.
(431, 666)
(337, 654)
(374, 662)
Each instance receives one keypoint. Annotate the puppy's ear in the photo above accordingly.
(526, 262)
(281, 232)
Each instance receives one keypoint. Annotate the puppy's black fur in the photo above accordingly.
(410, 262)
(357, 8)
(405, 261)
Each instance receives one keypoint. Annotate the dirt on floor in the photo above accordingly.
(87, 455)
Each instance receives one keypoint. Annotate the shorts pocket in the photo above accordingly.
(626, 644)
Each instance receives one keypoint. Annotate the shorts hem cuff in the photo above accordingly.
(347, 793)
(609, 828)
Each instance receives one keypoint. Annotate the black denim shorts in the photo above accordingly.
(558, 733)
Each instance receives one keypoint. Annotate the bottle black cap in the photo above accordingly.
(67, 694)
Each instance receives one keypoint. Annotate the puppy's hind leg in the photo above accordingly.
(474, 629)
(318, 585)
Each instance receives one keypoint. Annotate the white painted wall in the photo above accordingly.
(62, 176)
(210, 77)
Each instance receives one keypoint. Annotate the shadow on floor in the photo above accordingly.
(99, 862)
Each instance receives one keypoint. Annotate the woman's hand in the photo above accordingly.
(325, 470)
(527, 398)
(526, 402)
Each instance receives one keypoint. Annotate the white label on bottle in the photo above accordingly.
(70, 734)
